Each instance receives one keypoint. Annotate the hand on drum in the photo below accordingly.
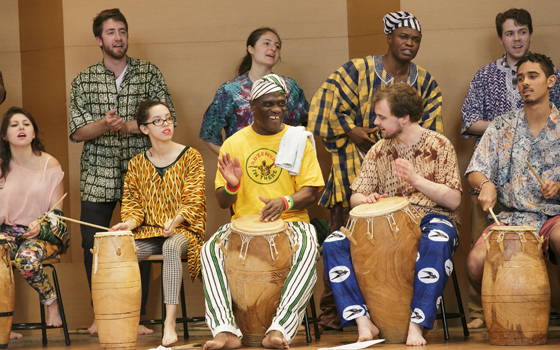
(487, 197)
(230, 169)
(33, 230)
(272, 210)
(405, 170)
(550, 188)
(123, 226)
(372, 198)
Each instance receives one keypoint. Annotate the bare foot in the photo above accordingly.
(415, 337)
(53, 317)
(475, 323)
(93, 328)
(275, 340)
(145, 330)
(14, 335)
(223, 340)
(366, 329)
(169, 334)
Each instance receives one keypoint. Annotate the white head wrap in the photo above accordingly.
(267, 84)
(400, 19)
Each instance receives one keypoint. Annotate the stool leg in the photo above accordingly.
(43, 322)
(184, 310)
(314, 315)
(460, 304)
(444, 319)
(163, 310)
(60, 305)
(306, 324)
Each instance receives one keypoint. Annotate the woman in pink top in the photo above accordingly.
(30, 184)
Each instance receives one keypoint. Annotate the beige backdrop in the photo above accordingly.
(197, 46)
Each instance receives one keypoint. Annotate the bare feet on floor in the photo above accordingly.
(223, 340)
(275, 340)
(53, 317)
(415, 337)
(169, 334)
(475, 323)
(145, 330)
(93, 328)
(14, 335)
(366, 329)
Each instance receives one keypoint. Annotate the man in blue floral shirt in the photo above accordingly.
(499, 171)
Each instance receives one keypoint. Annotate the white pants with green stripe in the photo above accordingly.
(295, 295)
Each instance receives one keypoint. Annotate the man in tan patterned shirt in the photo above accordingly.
(421, 166)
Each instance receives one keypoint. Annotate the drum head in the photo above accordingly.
(383, 206)
(251, 225)
(512, 228)
(113, 233)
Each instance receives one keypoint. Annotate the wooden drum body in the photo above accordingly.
(385, 236)
(515, 287)
(7, 293)
(258, 262)
(116, 290)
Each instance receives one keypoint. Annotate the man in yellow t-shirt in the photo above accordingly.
(249, 181)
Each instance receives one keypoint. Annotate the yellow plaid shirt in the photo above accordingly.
(344, 102)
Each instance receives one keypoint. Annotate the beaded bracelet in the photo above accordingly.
(231, 191)
(479, 188)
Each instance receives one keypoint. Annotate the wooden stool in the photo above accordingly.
(158, 259)
(444, 316)
(313, 320)
(43, 325)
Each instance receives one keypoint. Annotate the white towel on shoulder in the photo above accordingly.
(292, 148)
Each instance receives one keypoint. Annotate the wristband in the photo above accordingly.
(479, 188)
(231, 191)
(290, 202)
(286, 204)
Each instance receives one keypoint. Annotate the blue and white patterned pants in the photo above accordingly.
(433, 267)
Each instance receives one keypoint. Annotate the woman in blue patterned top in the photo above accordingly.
(230, 109)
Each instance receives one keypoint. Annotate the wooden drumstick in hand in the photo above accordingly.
(54, 206)
(534, 172)
(494, 216)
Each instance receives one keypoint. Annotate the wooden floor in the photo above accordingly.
(477, 340)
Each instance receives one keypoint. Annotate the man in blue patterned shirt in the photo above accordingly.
(493, 92)
(103, 100)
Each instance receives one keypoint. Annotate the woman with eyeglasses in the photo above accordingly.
(164, 204)
(230, 110)
(31, 184)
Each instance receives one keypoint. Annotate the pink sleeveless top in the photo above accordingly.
(27, 194)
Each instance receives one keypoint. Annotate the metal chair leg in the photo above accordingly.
(184, 310)
(43, 322)
(314, 315)
(460, 303)
(307, 330)
(60, 306)
(444, 319)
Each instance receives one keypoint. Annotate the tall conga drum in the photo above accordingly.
(385, 236)
(515, 287)
(116, 290)
(257, 264)
(7, 293)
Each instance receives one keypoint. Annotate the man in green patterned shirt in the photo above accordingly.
(103, 100)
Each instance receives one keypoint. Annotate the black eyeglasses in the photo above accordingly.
(160, 122)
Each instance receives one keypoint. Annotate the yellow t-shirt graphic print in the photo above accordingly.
(261, 168)
(261, 177)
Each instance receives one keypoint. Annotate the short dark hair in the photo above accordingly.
(5, 152)
(545, 62)
(143, 111)
(521, 17)
(114, 14)
(403, 100)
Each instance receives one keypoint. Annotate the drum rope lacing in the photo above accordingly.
(522, 238)
(244, 245)
(117, 246)
(272, 244)
(390, 220)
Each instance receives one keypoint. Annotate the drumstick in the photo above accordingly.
(82, 222)
(175, 216)
(187, 346)
(534, 172)
(54, 206)
(494, 216)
